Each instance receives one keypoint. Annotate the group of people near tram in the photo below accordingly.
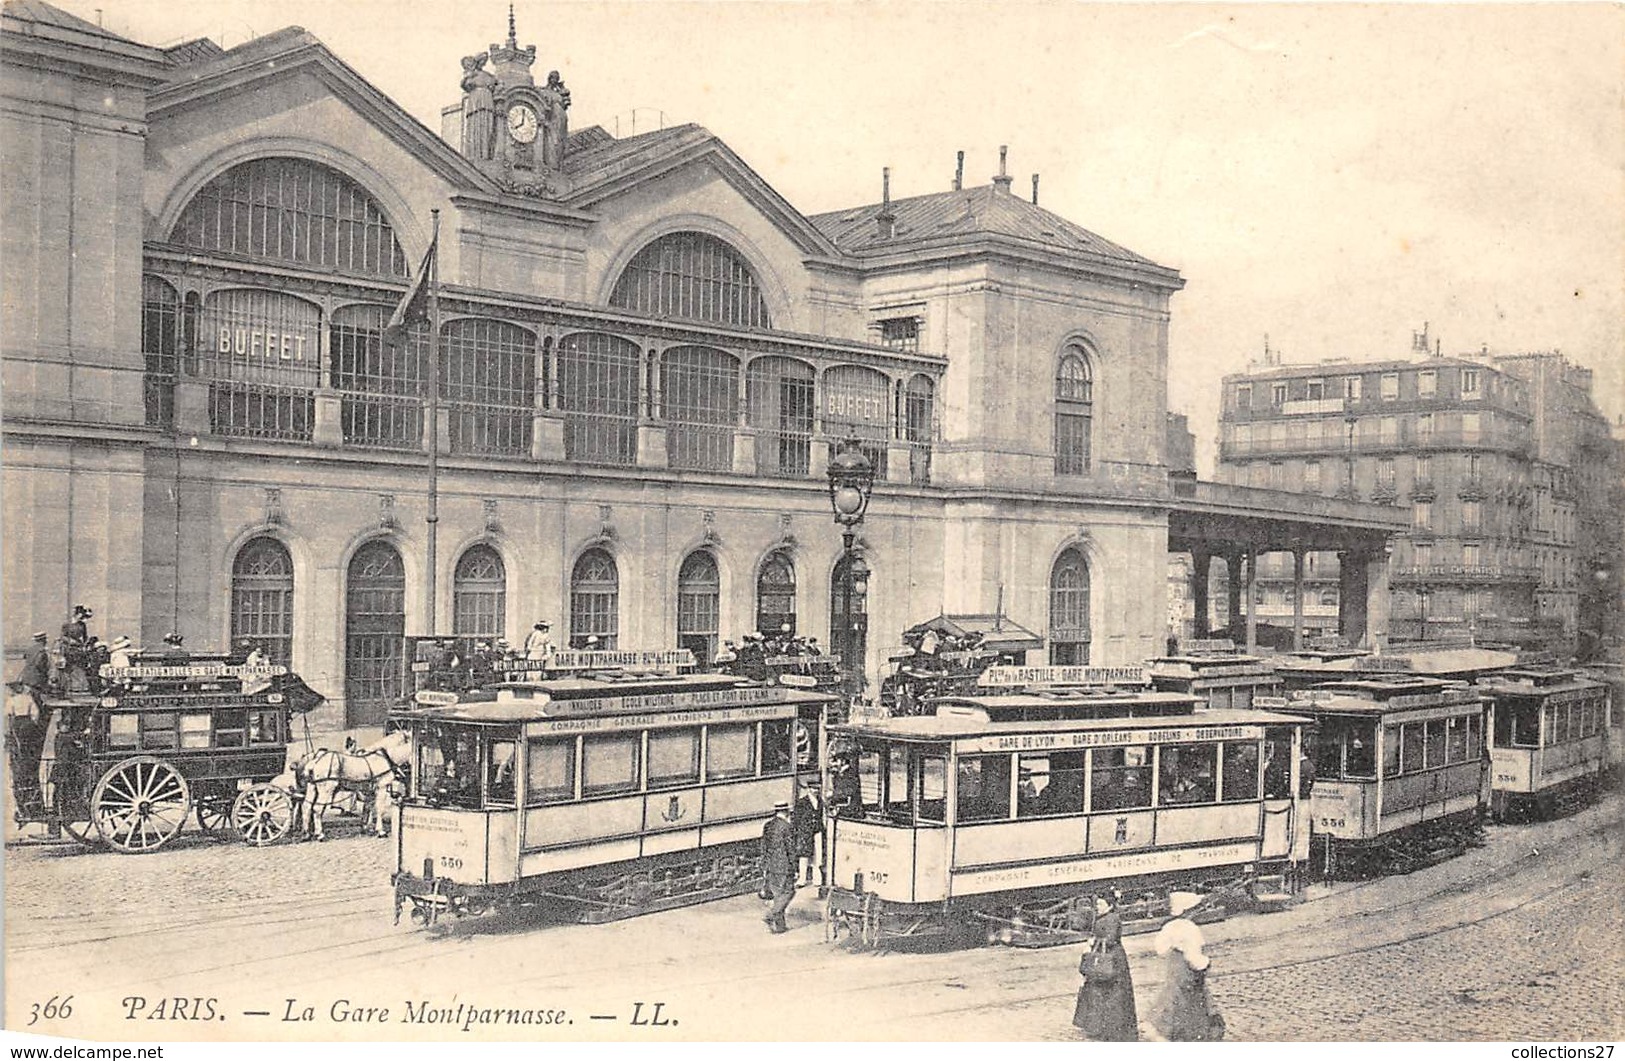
(1182, 1011)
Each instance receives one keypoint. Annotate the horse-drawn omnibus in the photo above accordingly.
(168, 737)
(1013, 810)
(614, 793)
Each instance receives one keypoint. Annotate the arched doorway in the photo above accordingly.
(374, 629)
(849, 630)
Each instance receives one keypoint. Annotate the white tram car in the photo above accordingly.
(1014, 809)
(614, 795)
(1549, 744)
(1401, 778)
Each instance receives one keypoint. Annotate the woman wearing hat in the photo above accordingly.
(1105, 1008)
(1183, 1011)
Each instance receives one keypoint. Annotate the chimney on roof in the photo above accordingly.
(959, 173)
(885, 221)
(1003, 181)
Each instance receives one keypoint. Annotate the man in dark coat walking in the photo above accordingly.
(778, 866)
(36, 673)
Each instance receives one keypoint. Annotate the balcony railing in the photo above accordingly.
(1465, 573)
(1337, 445)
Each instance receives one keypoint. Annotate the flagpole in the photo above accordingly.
(434, 423)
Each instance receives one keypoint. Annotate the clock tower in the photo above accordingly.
(512, 128)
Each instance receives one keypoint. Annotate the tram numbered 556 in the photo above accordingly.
(1549, 743)
(615, 795)
(1012, 809)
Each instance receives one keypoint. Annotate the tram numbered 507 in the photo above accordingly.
(1012, 809)
(617, 795)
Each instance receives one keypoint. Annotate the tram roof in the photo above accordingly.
(517, 702)
(1538, 681)
(949, 727)
(1380, 697)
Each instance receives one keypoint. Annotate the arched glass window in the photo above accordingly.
(479, 595)
(595, 592)
(161, 346)
(779, 408)
(1069, 609)
(382, 386)
(262, 598)
(699, 593)
(598, 394)
(693, 275)
(856, 404)
(292, 210)
(776, 595)
(261, 352)
(918, 426)
(374, 628)
(1074, 411)
(488, 379)
(699, 394)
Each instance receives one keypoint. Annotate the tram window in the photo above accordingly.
(230, 728)
(452, 775)
(431, 765)
(158, 730)
(1576, 730)
(1050, 784)
(730, 751)
(1122, 779)
(122, 731)
(194, 730)
(1475, 742)
(778, 746)
(897, 794)
(1560, 723)
(933, 789)
(1549, 727)
(984, 788)
(1277, 763)
(1360, 751)
(674, 757)
(1390, 751)
(1328, 751)
(1455, 739)
(609, 763)
(1412, 740)
(869, 781)
(1525, 725)
(1592, 714)
(1187, 773)
(499, 779)
(1240, 771)
(1435, 738)
(264, 727)
(552, 771)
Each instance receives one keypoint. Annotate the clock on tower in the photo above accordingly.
(522, 123)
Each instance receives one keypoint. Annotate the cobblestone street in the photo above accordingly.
(1519, 939)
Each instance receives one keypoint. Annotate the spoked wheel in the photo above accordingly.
(140, 804)
(214, 816)
(262, 815)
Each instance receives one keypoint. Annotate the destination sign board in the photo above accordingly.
(435, 698)
(791, 661)
(605, 660)
(1110, 738)
(598, 705)
(1207, 645)
(1008, 677)
(193, 670)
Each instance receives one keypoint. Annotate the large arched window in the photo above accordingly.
(779, 404)
(1074, 411)
(598, 394)
(160, 346)
(918, 426)
(382, 386)
(261, 351)
(488, 379)
(699, 591)
(479, 595)
(292, 210)
(693, 275)
(595, 594)
(699, 394)
(776, 595)
(1069, 609)
(374, 628)
(857, 404)
(262, 598)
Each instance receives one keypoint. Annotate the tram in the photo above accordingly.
(999, 816)
(612, 794)
(1215, 673)
(1401, 778)
(1549, 745)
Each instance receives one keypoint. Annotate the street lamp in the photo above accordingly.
(851, 477)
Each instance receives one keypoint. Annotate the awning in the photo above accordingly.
(999, 632)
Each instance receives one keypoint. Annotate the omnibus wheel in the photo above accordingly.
(214, 814)
(262, 815)
(140, 804)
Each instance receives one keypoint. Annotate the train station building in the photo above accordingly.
(646, 359)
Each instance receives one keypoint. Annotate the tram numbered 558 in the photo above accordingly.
(615, 795)
(1012, 809)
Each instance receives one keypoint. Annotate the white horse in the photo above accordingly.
(367, 772)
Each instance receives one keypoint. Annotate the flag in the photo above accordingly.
(414, 306)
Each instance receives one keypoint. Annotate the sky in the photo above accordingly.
(1332, 177)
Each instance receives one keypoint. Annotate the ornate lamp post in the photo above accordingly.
(851, 477)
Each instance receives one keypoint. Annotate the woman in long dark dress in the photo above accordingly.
(1105, 1009)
